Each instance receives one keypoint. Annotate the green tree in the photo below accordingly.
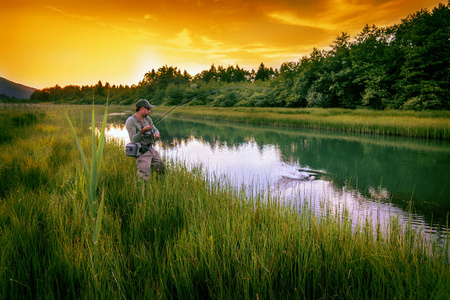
(282, 87)
(372, 65)
(339, 74)
(263, 73)
(424, 38)
(99, 88)
(174, 94)
(207, 75)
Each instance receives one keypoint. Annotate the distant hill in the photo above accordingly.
(14, 90)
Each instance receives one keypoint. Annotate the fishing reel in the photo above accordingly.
(149, 133)
(149, 137)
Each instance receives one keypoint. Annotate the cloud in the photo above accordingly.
(82, 17)
(150, 17)
(183, 38)
(338, 15)
(53, 8)
(290, 18)
(147, 17)
(183, 33)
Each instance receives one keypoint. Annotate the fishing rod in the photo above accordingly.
(134, 149)
(168, 113)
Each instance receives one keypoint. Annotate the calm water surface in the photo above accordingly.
(372, 176)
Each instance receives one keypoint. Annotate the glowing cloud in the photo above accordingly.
(183, 39)
(290, 18)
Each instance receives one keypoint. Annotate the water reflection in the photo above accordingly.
(373, 177)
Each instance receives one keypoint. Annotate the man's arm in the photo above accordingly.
(155, 130)
(133, 130)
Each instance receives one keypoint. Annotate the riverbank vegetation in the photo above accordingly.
(427, 124)
(404, 66)
(183, 235)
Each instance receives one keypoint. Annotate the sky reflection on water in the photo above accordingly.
(261, 168)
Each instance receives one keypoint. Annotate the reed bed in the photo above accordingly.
(184, 235)
(427, 124)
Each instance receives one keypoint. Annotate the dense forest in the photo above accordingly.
(404, 66)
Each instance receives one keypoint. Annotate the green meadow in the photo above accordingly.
(183, 235)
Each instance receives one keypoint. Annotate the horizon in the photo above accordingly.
(64, 43)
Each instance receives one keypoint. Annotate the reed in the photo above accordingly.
(428, 125)
(92, 177)
(185, 235)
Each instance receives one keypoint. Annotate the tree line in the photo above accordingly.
(404, 66)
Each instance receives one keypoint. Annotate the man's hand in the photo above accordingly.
(156, 135)
(145, 129)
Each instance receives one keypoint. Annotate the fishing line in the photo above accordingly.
(168, 113)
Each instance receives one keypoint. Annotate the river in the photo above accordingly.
(373, 177)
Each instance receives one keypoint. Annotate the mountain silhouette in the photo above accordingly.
(14, 90)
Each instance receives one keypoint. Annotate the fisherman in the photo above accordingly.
(141, 130)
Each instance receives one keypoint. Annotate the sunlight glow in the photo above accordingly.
(67, 43)
(118, 133)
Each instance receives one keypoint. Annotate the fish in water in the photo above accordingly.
(304, 175)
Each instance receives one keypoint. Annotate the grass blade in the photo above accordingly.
(98, 225)
(79, 146)
(102, 137)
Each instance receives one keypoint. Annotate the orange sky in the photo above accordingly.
(49, 42)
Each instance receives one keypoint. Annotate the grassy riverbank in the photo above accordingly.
(179, 236)
(427, 124)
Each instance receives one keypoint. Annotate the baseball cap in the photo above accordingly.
(143, 103)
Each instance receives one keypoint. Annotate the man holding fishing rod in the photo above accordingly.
(141, 130)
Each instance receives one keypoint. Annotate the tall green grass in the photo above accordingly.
(15, 125)
(92, 177)
(184, 237)
(429, 125)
